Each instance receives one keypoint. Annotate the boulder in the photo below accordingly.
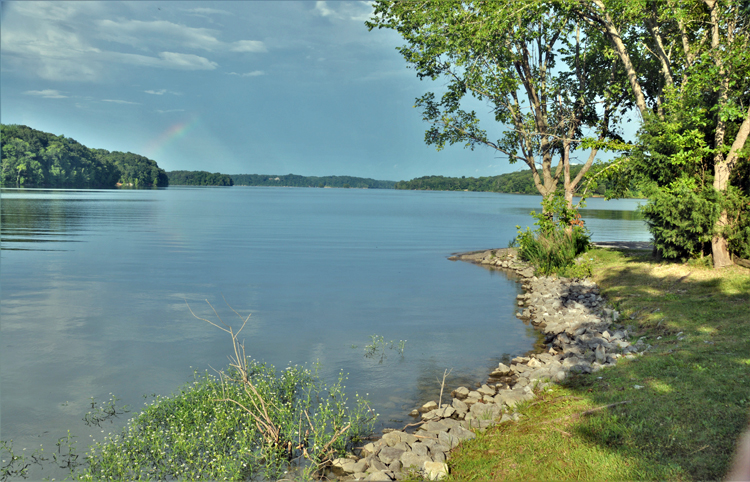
(337, 466)
(601, 355)
(448, 440)
(375, 465)
(435, 470)
(446, 412)
(420, 449)
(380, 476)
(352, 467)
(389, 454)
(431, 405)
(460, 406)
(486, 390)
(411, 460)
(462, 433)
(460, 393)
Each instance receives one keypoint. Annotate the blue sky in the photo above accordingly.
(234, 87)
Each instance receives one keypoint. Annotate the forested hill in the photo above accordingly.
(32, 158)
(199, 178)
(521, 182)
(293, 180)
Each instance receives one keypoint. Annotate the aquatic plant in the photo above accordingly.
(248, 421)
(378, 345)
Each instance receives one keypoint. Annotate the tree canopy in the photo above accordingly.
(561, 75)
(32, 158)
(544, 77)
(199, 178)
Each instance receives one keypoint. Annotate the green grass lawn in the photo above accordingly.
(688, 398)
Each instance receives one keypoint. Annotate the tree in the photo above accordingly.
(694, 60)
(543, 76)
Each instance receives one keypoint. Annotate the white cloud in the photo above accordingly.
(162, 33)
(68, 41)
(254, 73)
(206, 11)
(117, 101)
(156, 92)
(169, 110)
(248, 46)
(356, 11)
(47, 94)
(324, 11)
(186, 61)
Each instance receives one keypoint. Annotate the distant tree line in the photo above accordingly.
(199, 178)
(521, 182)
(32, 158)
(293, 180)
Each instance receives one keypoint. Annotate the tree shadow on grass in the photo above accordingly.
(690, 393)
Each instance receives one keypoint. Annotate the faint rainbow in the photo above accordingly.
(170, 136)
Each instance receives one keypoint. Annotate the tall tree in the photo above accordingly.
(543, 76)
(697, 56)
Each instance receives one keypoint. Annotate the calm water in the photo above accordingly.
(94, 285)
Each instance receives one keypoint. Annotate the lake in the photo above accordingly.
(94, 286)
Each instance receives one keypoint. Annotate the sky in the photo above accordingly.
(239, 87)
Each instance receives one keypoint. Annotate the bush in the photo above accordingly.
(681, 220)
(552, 251)
(250, 422)
(209, 430)
(558, 240)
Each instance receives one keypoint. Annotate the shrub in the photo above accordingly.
(559, 238)
(249, 422)
(552, 251)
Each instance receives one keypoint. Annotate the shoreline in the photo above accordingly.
(581, 335)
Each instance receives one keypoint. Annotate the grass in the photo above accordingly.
(684, 421)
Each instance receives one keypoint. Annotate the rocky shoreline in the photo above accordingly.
(581, 335)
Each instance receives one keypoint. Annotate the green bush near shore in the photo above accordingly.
(210, 430)
(688, 397)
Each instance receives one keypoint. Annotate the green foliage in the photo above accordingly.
(378, 345)
(520, 182)
(293, 180)
(208, 430)
(17, 465)
(32, 158)
(102, 412)
(675, 162)
(545, 77)
(559, 238)
(198, 178)
(681, 219)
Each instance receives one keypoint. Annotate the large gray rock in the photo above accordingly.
(445, 412)
(390, 454)
(601, 354)
(370, 449)
(448, 439)
(460, 393)
(375, 465)
(460, 407)
(501, 371)
(462, 433)
(352, 466)
(484, 411)
(380, 476)
(431, 405)
(337, 465)
(486, 390)
(411, 460)
(420, 449)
